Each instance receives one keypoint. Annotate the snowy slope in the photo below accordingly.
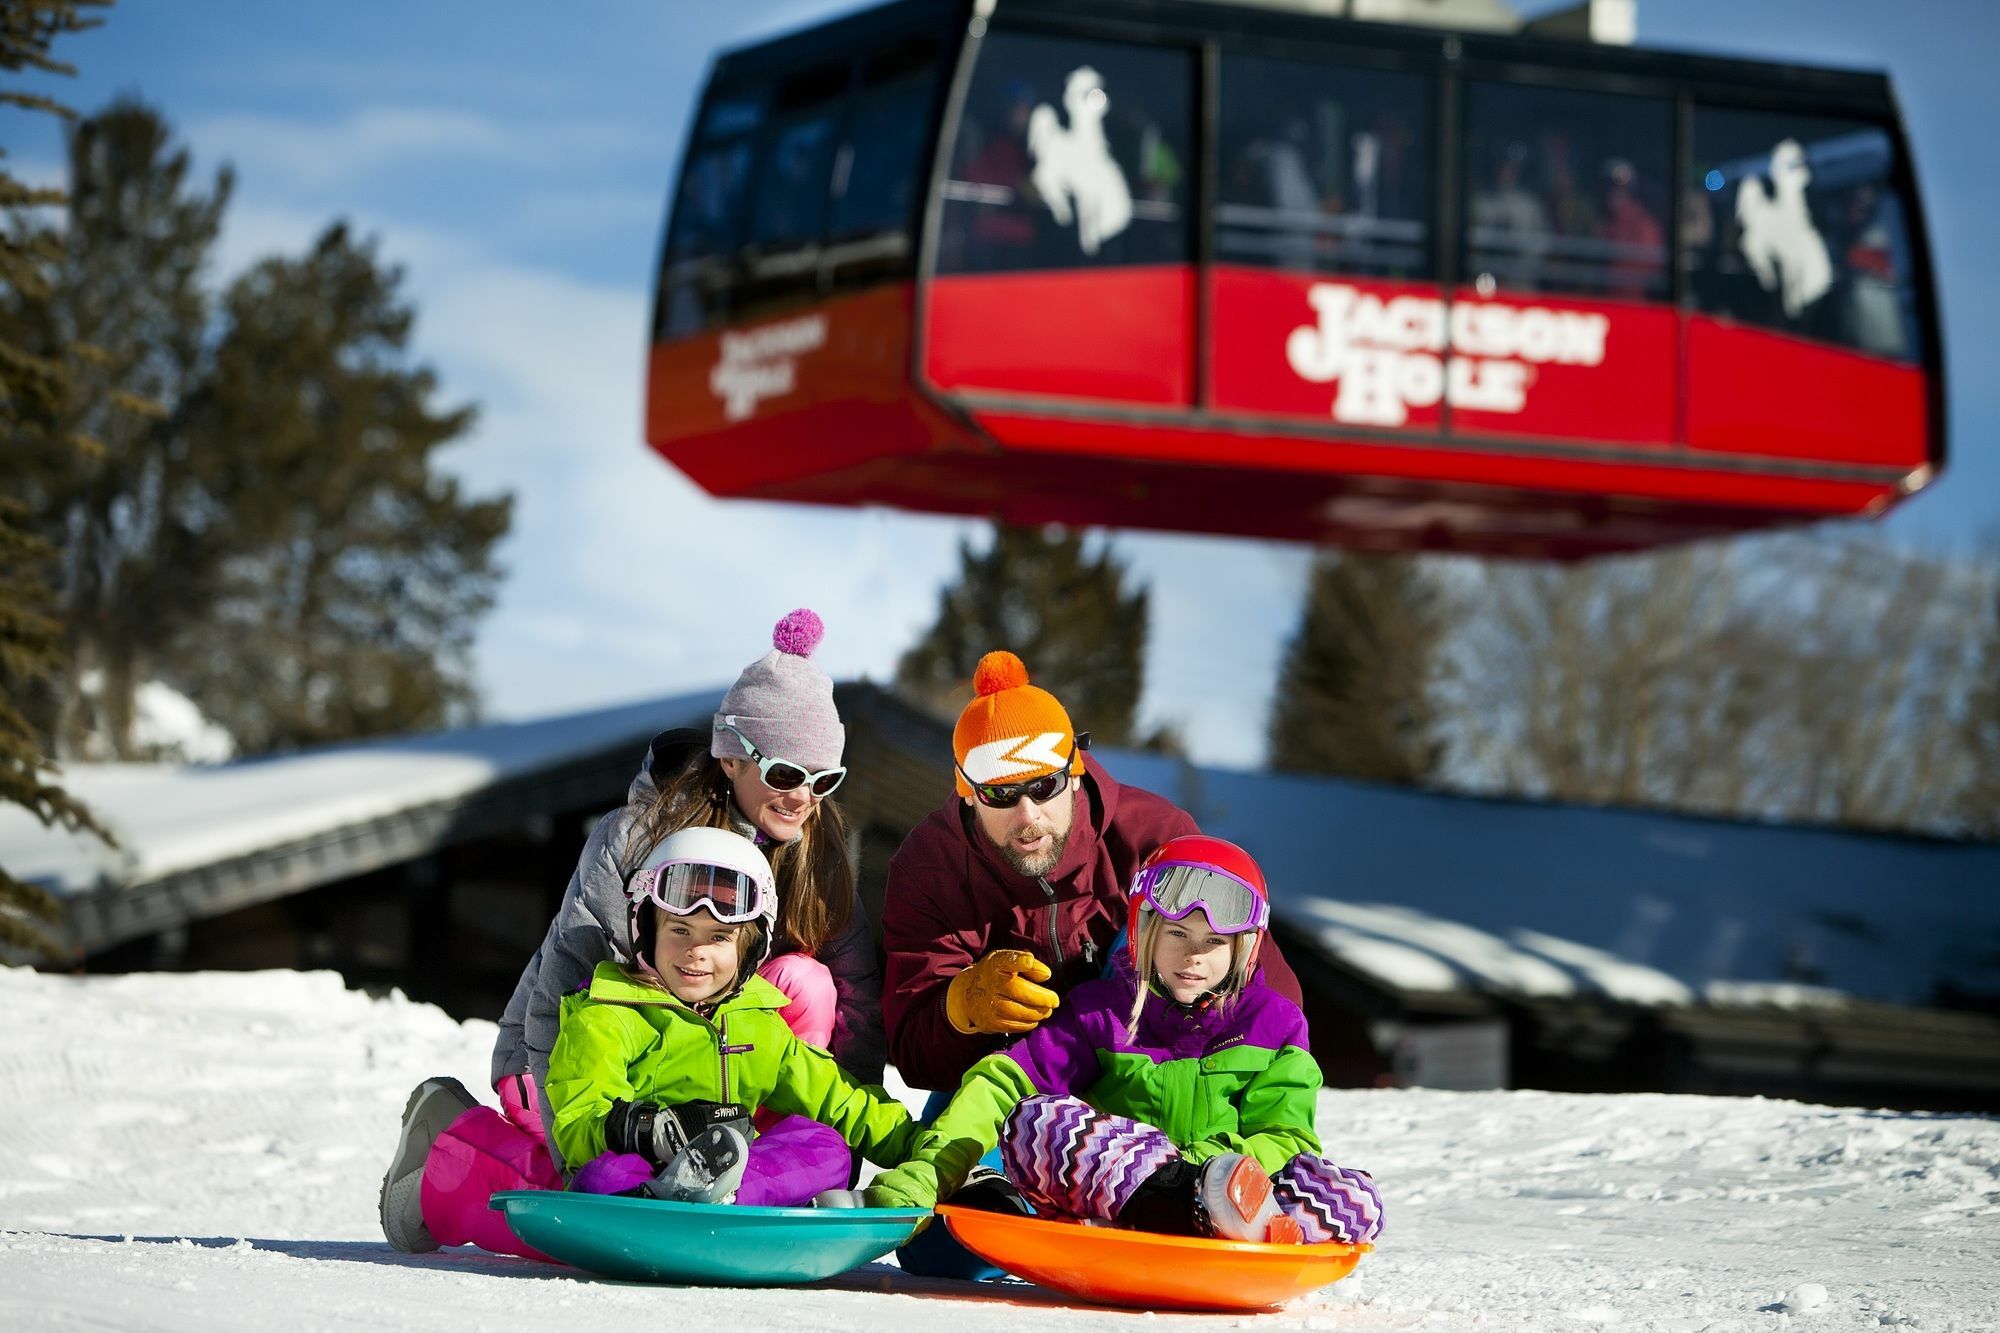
(202, 1153)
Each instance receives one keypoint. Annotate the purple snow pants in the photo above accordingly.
(1074, 1160)
(485, 1151)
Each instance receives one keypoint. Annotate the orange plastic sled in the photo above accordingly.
(1150, 1271)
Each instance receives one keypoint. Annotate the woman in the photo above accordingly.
(770, 763)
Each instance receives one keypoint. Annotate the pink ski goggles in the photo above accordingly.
(685, 886)
(1178, 888)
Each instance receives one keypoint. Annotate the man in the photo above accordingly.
(1013, 891)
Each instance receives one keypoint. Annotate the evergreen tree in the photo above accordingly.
(34, 389)
(1064, 610)
(355, 569)
(125, 315)
(1354, 694)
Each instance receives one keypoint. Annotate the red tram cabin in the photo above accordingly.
(1205, 267)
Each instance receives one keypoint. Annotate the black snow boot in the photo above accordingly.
(1165, 1201)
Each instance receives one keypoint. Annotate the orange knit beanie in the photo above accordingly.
(1011, 731)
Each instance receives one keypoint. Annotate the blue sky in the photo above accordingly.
(516, 158)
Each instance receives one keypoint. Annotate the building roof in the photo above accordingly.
(197, 840)
(1430, 899)
(1435, 894)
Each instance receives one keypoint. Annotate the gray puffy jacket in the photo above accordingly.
(590, 927)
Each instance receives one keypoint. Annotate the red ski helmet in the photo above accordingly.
(1197, 872)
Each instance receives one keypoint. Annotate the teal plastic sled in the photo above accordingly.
(651, 1240)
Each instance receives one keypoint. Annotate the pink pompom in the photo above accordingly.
(798, 633)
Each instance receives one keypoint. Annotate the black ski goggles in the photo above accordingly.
(783, 774)
(1041, 790)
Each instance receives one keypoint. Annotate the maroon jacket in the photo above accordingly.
(952, 898)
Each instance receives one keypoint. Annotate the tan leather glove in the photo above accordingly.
(998, 994)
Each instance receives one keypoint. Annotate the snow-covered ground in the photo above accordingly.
(201, 1152)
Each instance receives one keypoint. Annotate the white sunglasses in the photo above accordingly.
(783, 774)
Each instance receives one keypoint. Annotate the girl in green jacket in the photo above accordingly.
(656, 1069)
(1175, 1095)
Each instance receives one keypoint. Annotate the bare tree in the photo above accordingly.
(1818, 676)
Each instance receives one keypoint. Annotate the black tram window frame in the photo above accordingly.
(1332, 57)
(721, 85)
(1079, 27)
(789, 273)
(1681, 79)
(852, 262)
(1516, 76)
(860, 37)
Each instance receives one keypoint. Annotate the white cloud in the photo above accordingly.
(627, 580)
(624, 579)
(321, 154)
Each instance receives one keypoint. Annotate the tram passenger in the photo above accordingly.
(766, 768)
(1274, 170)
(1002, 232)
(1637, 267)
(1865, 262)
(1513, 222)
(1573, 206)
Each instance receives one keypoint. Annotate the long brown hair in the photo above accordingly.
(815, 882)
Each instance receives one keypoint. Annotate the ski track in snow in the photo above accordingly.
(202, 1152)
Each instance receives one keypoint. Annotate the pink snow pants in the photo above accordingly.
(485, 1151)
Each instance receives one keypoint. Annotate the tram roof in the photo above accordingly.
(1476, 51)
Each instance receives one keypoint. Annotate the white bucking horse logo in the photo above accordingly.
(1778, 238)
(1075, 173)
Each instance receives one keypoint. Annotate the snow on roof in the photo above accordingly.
(1426, 892)
(170, 818)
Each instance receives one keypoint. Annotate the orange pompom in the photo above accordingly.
(998, 671)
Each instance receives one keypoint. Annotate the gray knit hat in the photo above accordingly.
(784, 703)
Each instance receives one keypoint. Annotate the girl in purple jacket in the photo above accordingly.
(1175, 1095)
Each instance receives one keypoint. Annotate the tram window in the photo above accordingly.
(1796, 223)
(797, 159)
(1070, 153)
(1325, 169)
(695, 279)
(1566, 191)
(878, 168)
(732, 113)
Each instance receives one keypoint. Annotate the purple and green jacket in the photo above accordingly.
(1213, 1077)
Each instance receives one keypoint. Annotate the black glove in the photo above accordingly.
(658, 1132)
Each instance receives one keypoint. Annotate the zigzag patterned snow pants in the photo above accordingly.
(1074, 1160)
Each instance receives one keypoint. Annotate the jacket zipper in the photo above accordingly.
(722, 1054)
(1055, 925)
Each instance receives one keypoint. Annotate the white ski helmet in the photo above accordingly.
(703, 868)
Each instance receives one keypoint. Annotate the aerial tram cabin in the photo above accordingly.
(1215, 268)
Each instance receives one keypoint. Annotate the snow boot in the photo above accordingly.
(708, 1170)
(1233, 1201)
(431, 1109)
(991, 1192)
